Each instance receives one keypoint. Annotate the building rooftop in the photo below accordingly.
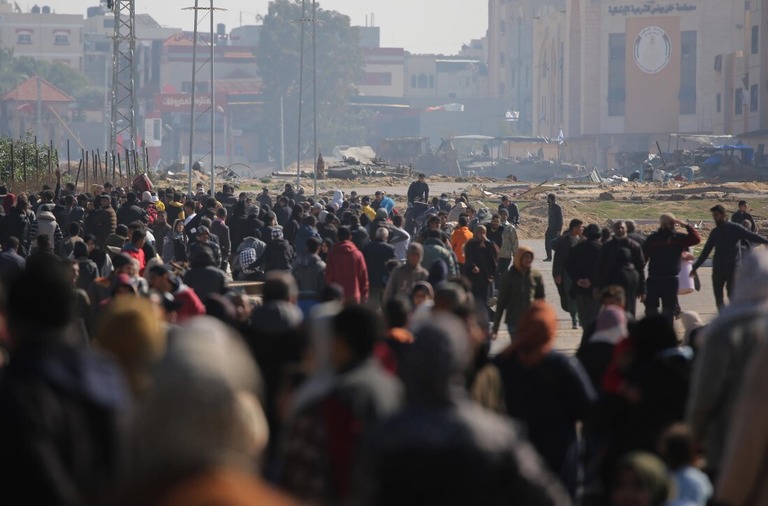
(28, 92)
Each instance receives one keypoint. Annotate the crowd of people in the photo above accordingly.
(136, 369)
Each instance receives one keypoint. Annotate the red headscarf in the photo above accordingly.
(536, 332)
(8, 202)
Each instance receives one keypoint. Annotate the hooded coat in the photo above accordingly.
(304, 234)
(518, 291)
(557, 392)
(434, 250)
(46, 224)
(309, 271)
(471, 455)
(729, 343)
(403, 277)
(346, 267)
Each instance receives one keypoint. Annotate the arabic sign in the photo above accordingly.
(649, 9)
(182, 102)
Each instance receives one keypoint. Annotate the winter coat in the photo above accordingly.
(743, 477)
(221, 231)
(18, 224)
(278, 256)
(418, 191)
(101, 223)
(549, 398)
(459, 238)
(582, 264)
(175, 211)
(402, 279)
(46, 224)
(128, 213)
(555, 217)
(729, 343)
(609, 261)
(725, 239)
(346, 267)
(309, 271)
(664, 248)
(376, 255)
(206, 281)
(304, 233)
(359, 397)
(518, 290)
(62, 412)
(434, 249)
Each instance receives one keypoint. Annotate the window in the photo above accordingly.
(755, 39)
(431, 81)
(413, 81)
(738, 103)
(502, 27)
(61, 39)
(687, 94)
(617, 55)
(377, 79)
(422, 80)
(753, 98)
(719, 102)
(24, 38)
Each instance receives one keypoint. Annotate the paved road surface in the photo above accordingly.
(568, 340)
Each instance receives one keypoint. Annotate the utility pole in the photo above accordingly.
(308, 37)
(123, 115)
(198, 70)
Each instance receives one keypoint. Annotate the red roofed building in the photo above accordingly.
(21, 106)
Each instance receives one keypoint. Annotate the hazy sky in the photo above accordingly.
(420, 26)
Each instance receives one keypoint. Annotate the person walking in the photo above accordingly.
(612, 261)
(346, 267)
(460, 237)
(405, 276)
(725, 239)
(376, 255)
(520, 287)
(563, 247)
(554, 224)
(743, 215)
(663, 250)
(509, 245)
(581, 266)
(480, 265)
(418, 190)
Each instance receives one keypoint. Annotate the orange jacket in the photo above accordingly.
(458, 240)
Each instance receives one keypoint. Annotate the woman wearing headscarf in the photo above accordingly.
(520, 287)
(546, 390)
(293, 223)
(596, 354)
(175, 244)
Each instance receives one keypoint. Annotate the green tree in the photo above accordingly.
(29, 161)
(339, 67)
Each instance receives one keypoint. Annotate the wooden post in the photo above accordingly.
(127, 164)
(37, 159)
(136, 164)
(85, 168)
(120, 168)
(77, 177)
(13, 162)
(112, 155)
(50, 160)
(24, 161)
(69, 164)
